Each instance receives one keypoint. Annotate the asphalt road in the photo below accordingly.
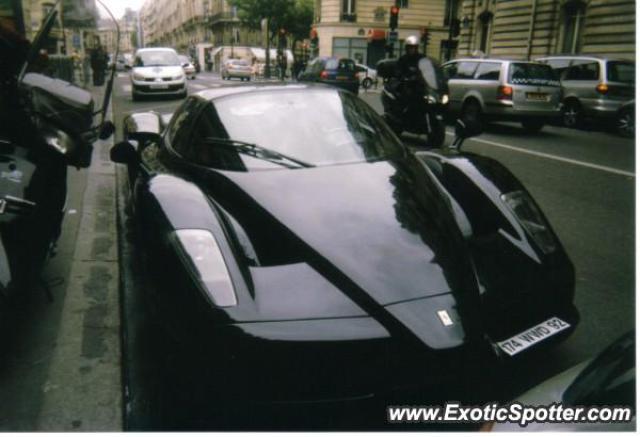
(583, 180)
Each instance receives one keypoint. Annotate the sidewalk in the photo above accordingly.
(83, 390)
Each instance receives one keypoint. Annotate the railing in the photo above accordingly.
(222, 16)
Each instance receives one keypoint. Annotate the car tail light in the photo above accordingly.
(505, 93)
(201, 255)
(324, 74)
(602, 88)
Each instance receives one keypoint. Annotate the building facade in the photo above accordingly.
(183, 24)
(528, 29)
(359, 28)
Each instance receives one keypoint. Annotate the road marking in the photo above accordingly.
(554, 157)
(126, 88)
(121, 75)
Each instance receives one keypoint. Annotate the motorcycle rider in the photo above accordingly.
(408, 62)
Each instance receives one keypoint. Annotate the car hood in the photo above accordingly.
(382, 233)
(159, 71)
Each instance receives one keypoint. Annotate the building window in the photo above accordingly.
(353, 48)
(573, 22)
(348, 11)
(402, 3)
(485, 20)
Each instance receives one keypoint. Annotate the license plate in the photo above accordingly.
(342, 78)
(531, 336)
(159, 86)
(538, 97)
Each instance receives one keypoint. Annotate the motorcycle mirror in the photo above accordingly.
(468, 128)
(106, 130)
(124, 153)
(465, 129)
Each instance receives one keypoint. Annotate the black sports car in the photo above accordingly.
(302, 252)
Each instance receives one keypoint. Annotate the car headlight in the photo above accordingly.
(200, 253)
(445, 99)
(178, 77)
(530, 216)
(137, 76)
(430, 99)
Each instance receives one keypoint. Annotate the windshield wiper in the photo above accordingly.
(258, 151)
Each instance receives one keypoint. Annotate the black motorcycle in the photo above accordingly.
(415, 102)
(48, 126)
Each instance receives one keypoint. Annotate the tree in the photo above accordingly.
(298, 20)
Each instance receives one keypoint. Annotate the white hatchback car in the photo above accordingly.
(157, 71)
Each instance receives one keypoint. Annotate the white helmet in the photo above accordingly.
(411, 41)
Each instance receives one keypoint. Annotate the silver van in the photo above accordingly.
(593, 87)
(504, 90)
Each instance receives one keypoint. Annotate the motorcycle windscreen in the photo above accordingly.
(432, 74)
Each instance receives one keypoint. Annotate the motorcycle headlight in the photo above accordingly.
(530, 216)
(137, 76)
(445, 99)
(202, 256)
(58, 140)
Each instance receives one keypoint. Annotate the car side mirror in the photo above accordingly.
(465, 128)
(124, 153)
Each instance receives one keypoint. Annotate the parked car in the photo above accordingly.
(338, 72)
(239, 68)
(607, 380)
(504, 90)
(157, 71)
(283, 226)
(187, 66)
(593, 87)
(366, 75)
(626, 120)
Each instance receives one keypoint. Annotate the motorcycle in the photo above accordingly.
(415, 103)
(49, 127)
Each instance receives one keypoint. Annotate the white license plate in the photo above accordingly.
(531, 336)
(538, 97)
(159, 86)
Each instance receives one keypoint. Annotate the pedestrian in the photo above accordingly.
(98, 65)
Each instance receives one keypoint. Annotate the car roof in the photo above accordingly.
(490, 60)
(152, 49)
(587, 57)
(225, 90)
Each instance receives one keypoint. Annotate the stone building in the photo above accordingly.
(359, 28)
(183, 24)
(527, 29)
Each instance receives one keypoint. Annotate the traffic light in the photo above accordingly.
(393, 17)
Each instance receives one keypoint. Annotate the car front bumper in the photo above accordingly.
(174, 87)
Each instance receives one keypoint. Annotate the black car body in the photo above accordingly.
(322, 259)
(338, 72)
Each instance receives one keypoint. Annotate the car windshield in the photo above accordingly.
(621, 72)
(184, 59)
(156, 58)
(525, 73)
(329, 127)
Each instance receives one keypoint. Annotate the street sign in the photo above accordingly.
(393, 36)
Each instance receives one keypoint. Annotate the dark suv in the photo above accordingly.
(339, 72)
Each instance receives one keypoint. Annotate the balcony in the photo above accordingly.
(222, 17)
(348, 17)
